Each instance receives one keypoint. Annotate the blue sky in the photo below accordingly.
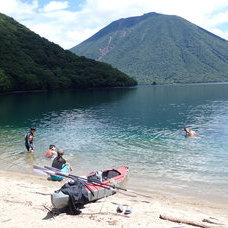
(69, 22)
(74, 5)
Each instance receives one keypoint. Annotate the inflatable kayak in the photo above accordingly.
(88, 188)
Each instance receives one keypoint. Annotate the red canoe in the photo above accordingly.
(89, 188)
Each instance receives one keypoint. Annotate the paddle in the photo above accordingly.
(44, 171)
(54, 171)
(111, 180)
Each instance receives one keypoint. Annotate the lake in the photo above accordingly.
(139, 127)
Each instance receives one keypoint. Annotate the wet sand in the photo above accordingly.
(25, 201)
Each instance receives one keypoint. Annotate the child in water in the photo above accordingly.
(51, 152)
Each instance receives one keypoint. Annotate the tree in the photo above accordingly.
(5, 83)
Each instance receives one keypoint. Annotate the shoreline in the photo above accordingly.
(26, 197)
(150, 187)
(118, 87)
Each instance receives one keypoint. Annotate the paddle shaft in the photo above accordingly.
(53, 173)
(59, 173)
(103, 184)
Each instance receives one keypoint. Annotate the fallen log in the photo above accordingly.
(209, 221)
(185, 221)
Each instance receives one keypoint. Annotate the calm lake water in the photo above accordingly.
(139, 127)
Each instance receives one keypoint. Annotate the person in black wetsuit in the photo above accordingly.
(29, 140)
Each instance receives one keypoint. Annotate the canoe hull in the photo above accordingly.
(60, 200)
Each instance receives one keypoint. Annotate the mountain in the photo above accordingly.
(29, 62)
(159, 48)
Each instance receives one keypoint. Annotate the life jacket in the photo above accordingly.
(27, 136)
(49, 154)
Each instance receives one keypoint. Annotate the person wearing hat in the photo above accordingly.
(60, 163)
(29, 140)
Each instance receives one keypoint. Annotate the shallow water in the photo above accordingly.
(140, 127)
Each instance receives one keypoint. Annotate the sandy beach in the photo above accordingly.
(25, 201)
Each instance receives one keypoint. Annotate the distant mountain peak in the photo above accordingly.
(159, 48)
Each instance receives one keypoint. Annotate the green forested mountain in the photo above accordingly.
(159, 48)
(29, 62)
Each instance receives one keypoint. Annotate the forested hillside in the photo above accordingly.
(29, 62)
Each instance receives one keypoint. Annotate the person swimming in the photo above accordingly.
(189, 132)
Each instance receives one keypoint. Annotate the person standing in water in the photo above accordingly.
(29, 140)
(189, 132)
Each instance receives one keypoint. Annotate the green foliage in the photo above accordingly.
(5, 83)
(29, 62)
(159, 48)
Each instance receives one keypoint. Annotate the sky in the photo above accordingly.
(69, 22)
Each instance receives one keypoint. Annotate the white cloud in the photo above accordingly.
(17, 8)
(220, 33)
(53, 5)
(60, 24)
(219, 18)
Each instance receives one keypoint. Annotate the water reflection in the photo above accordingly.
(19, 109)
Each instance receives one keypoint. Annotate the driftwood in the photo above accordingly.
(188, 222)
(209, 221)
